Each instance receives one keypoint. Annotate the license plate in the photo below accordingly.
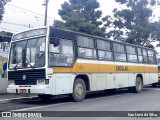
(22, 91)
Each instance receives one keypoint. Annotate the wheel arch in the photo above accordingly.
(85, 78)
(141, 76)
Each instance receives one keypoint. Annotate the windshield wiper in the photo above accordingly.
(17, 64)
(30, 63)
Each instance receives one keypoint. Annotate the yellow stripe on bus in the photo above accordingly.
(98, 68)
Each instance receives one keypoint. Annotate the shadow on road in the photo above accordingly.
(35, 101)
(65, 98)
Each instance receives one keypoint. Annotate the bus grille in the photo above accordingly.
(31, 76)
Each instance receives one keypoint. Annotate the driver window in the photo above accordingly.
(62, 54)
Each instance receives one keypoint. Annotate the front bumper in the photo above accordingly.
(38, 89)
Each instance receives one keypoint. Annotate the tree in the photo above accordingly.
(2, 4)
(133, 22)
(4, 33)
(155, 30)
(81, 15)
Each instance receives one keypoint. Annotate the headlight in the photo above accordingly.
(47, 81)
(40, 82)
(11, 82)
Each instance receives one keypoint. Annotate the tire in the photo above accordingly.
(138, 86)
(79, 90)
(45, 97)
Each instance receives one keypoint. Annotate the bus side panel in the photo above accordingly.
(93, 82)
(131, 79)
(133, 70)
(62, 81)
(52, 85)
(110, 80)
(121, 80)
(142, 71)
(121, 75)
(107, 74)
(153, 75)
(147, 75)
(102, 81)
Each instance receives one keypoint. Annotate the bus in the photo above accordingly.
(49, 61)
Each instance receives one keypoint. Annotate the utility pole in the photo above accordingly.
(46, 10)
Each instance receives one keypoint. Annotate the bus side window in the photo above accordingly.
(131, 53)
(104, 50)
(145, 56)
(119, 52)
(140, 57)
(67, 51)
(61, 54)
(86, 48)
(152, 57)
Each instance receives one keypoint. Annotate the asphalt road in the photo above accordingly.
(148, 100)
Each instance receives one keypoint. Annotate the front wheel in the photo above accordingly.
(138, 86)
(79, 90)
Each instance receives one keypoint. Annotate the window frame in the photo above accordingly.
(154, 57)
(145, 62)
(98, 50)
(140, 55)
(60, 43)
(90, 48)
(127, 53)
(124, 45)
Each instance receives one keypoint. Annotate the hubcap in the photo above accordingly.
(79, 89)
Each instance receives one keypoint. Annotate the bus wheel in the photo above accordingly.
(138, 86)
(45, 97)
(79, 90)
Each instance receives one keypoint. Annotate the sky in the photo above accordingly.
(20, 14)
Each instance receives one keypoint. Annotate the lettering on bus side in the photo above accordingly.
(121, 68)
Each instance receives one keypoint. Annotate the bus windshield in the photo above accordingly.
(28, 53)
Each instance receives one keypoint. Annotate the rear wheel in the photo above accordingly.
(138, 86)
(79, 90)
(45, 97)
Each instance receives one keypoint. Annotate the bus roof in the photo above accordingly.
(61, 31)
(95, 37)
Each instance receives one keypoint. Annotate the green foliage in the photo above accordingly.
(6, 33)
(81, 16)
(2, 4)
(155, 30)
(132, 21)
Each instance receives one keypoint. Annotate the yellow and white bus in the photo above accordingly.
(50, 61)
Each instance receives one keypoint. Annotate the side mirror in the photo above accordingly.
(54, 41)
